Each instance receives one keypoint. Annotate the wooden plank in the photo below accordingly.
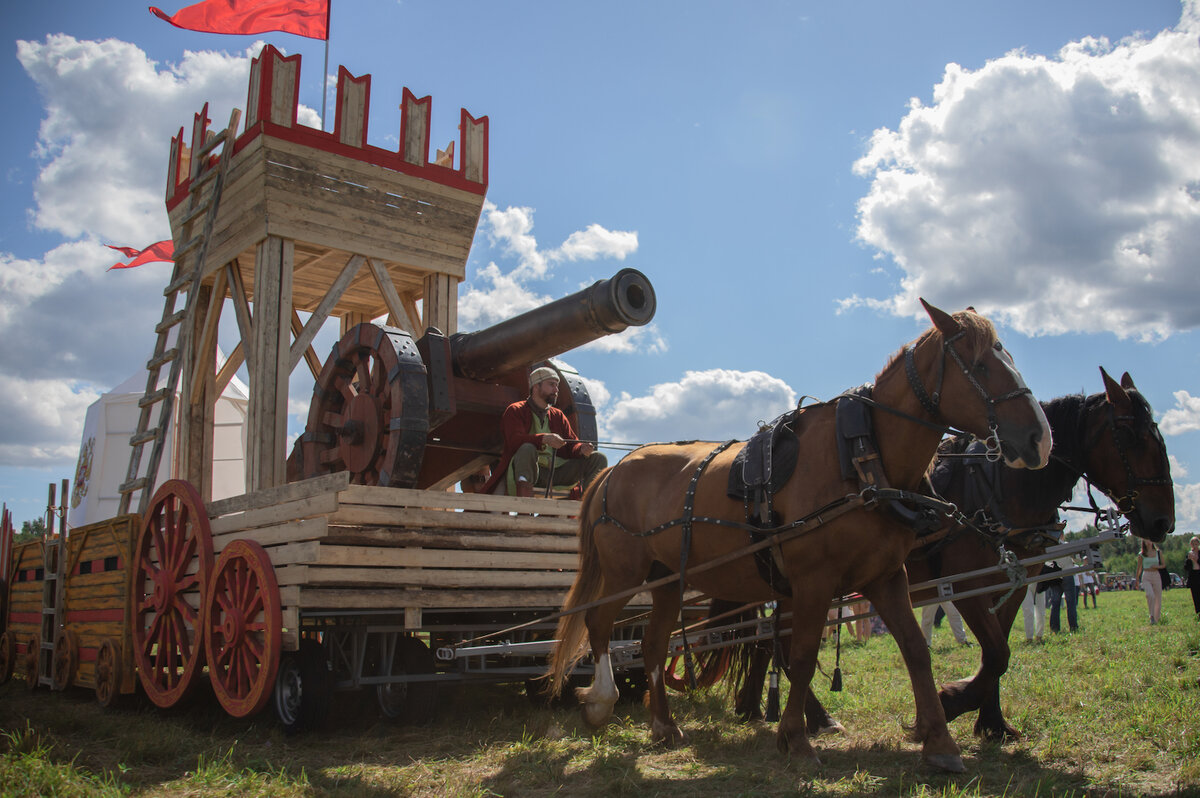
(450, 539)
(373, 557)
(310, 507)
(392, 516)
(361, 599)
(295, 553)
(280, 494)
(415, 577)
(308, 529)
(486, 502)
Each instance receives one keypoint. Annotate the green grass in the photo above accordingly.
(1113, 710)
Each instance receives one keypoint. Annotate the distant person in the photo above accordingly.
(929, 614)
(1090, 587)
(1033, 612)
(1191, 571)
(1149, 567)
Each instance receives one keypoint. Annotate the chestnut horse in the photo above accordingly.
(636, 516)
(1110, 439)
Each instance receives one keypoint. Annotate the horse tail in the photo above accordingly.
(571, 634)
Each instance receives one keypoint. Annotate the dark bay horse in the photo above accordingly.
(1109, 439)
(636, 516)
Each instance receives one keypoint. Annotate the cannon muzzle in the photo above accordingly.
(606, 307)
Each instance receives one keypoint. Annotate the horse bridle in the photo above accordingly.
(1128, 502)
(931, 402)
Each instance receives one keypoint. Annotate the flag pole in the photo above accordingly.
(325, 71)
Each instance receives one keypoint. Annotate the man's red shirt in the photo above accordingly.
(515, 424)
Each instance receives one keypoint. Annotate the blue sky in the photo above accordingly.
(791, 176)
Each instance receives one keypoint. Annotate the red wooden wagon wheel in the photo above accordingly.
(243, 627)
(66, 658)
(173, 560)
(108, 673)
(370, 410)
(8, 655)
(33, 650)
(712, 665)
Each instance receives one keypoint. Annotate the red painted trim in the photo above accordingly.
(97, 566)
(25, 617)
(93, 616)
(88, 653)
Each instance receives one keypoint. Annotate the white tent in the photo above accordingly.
(104, 452)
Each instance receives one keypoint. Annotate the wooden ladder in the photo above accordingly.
(54, 562)
(204, 199)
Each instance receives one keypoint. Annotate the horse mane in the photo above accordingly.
(979, 331)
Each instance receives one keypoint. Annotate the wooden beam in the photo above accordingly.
(232, 364)
(391, 297)
(208, 336)
(310, 355)
(317, 319)
(266, 424)
(241, 310)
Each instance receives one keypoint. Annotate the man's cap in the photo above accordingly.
(544, 373)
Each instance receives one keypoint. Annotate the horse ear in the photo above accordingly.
(1117, 395)
(1127, 382)
(945, 323)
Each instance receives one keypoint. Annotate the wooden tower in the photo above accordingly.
(284, 219)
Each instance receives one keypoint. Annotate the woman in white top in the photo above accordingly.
(1149, 564)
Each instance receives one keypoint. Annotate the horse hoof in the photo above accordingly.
(667, 735)
(833, 727)
(596, 715)
(951, 763)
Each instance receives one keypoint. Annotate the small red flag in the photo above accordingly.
(302, 17)
(162, 251)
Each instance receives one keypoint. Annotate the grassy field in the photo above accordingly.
(1113, 710)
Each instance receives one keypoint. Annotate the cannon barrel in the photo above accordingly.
(606, 307)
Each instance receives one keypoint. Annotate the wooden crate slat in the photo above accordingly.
(371, 557)
(412, 577)
(296, 510)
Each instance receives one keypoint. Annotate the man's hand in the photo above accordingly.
(553, 440)
(586, 449)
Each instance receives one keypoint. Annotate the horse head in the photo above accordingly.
(1127, 459)
(980, 390)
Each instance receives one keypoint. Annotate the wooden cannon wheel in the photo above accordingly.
(243, 628)
(108, 673)
(370, 410)
(172, 562)
(66, 659)
(8, 654)
(409, 702)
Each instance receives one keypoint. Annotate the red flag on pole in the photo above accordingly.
(302, 17)
(162, 251)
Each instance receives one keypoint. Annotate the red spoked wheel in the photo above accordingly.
(172, 562)
(66, 659)
(710, 665)
(108, 673)
(243, 627)
(8, 656)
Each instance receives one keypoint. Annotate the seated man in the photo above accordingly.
(533, 429)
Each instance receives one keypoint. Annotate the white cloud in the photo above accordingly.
(717, 404)
(596, 242)
(42, 421)
(1055, 194)
(1178, 469)
(1184, 417)
(1187, 506)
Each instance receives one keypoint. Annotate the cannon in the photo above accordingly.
(425, 414)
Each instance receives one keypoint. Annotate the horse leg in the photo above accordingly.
(890, 597)
(819, 720)
(663, 613)
(597, 699)
(982, 691)
(807, 621)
